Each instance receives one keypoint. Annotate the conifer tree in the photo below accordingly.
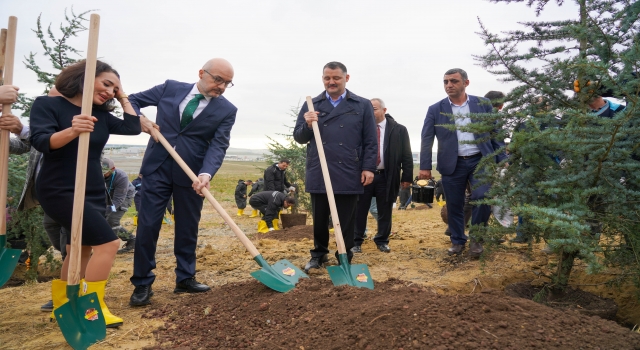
(572, 175)
(297, 154)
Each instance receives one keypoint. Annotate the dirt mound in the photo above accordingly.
(295, 233)
(317, 315)
(572, 299)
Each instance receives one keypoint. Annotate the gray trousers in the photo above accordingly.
(114, 217)
(57, 234)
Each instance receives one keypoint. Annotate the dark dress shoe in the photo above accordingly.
(475, 249)
(141, 296)
(384, 248)
(455, 249)
(315, 263)
(47, 307)
(190, 285)
(356, 249)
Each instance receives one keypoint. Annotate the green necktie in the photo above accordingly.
(187, 114)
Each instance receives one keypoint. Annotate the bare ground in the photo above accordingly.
(418, 258)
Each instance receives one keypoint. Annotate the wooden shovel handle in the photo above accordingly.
(73, 277)
(337, 229)
(8, 54)
(225, 216)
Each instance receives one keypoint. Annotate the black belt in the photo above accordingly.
(379, 171)
(471, 156)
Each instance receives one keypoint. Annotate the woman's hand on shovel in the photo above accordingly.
(82, 123)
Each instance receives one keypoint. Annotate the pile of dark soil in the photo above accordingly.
(395, 315)
(572, 299)
(295, 233)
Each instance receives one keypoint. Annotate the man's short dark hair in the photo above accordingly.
(496, 98)
(285, 160)
(457, 70)
(291, 200)
(335, 65)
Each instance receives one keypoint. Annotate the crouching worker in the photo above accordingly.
(120, 193)
(269, 203)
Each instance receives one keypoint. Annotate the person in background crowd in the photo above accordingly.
(241, 195)
(269, 203)
(257, 186)
(496, 98)
(275, 178)
(394, 156)
(120, 193)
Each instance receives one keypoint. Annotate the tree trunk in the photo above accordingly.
(561, 279)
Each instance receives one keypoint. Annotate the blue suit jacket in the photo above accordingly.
(202, 144)
(439, 114)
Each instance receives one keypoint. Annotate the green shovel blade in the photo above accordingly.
(8, 260)
(80, 319)
(353, 275)
(281, 277)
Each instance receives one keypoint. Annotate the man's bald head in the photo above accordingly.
(215, 77)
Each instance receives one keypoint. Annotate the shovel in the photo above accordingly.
(283, 275)
(345, 273)
(8, 257)
(80, 319)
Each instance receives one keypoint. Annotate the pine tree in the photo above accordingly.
(572, 175)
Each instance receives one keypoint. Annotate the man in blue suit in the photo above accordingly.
(196, 120)
(457, 161)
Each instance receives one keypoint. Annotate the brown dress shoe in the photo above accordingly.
(455, 249)
(475, 249)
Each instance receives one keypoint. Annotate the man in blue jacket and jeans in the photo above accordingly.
(348, 131)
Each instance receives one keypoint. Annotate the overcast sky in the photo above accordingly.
(395, 50)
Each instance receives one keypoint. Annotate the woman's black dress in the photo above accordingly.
(56, 181)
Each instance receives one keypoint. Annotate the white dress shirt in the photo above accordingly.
(203, 103)
(464, 149)
(382, 125)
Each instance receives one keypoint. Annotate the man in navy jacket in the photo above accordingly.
(457, 161)
(196, 120)
(348, 132)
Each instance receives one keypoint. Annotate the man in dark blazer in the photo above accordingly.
(348, 132)
(196, 120)
(457, 161)
(394, 155)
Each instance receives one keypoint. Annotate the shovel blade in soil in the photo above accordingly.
(8, 260)
(281, 277)
(353, 275)
(80, 319)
